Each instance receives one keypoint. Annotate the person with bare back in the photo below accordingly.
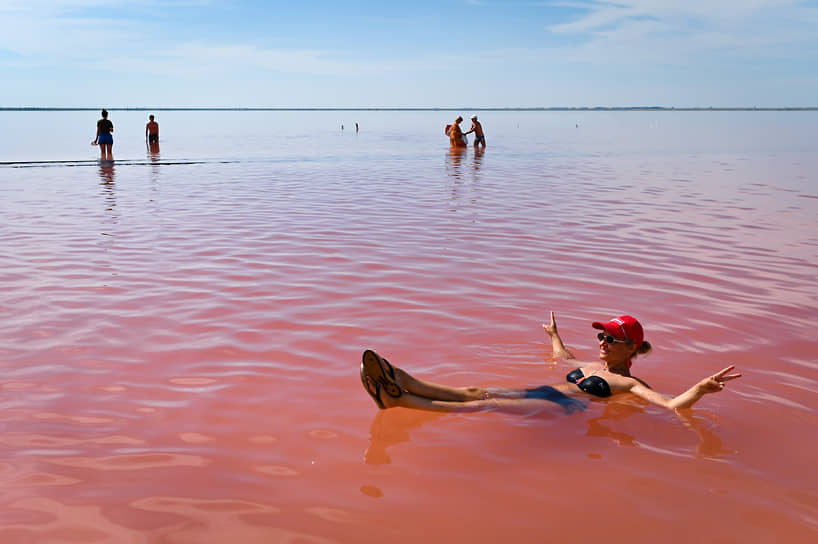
(477, 128)
(104, 137)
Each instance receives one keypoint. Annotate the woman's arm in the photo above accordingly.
(711, 384)
(560, 351)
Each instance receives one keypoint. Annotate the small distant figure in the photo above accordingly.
(342, 128)
(152, 131)
(104, 137)
(456, 133)
(477, 128)
(356, 127)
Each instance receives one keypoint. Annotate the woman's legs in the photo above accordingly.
(517, 403)
(392, 386)
(395, 381)
(380, 375)
(436, 391)
(407, 399)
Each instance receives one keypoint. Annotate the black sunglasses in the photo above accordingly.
(610, 339)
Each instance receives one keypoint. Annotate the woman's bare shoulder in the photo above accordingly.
(587, 366)
(633, 380)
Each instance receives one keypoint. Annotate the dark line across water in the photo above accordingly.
(47, 164)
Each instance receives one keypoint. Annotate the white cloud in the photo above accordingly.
(62, 7)
(616, 53)
(691, 30)
(602, 13)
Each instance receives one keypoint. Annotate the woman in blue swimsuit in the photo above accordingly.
(620, 341)
(104, 137)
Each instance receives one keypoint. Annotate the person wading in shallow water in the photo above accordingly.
(456, 133)
(477, 128)
(621, 340)
(152, 131)
(104, 137)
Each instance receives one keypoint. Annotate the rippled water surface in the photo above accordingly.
(180, 331)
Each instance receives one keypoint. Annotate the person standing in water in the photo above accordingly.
(152, 131)
(104, 137)
(477, 128)
(456, 133)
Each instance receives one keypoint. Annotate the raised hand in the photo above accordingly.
(560, 351)
(715, 383)
(551, 328)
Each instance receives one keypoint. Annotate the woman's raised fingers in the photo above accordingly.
(718, 375)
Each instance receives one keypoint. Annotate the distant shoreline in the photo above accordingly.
(634, 108)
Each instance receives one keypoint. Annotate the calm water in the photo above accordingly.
(180, 332)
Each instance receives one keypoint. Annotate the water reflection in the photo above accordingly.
(154, 158)
(614, 411)
(107, 178)
(107, 172)
(478, 158)
(457, 165)
(454, 159)
(392, 427)
(710, 446)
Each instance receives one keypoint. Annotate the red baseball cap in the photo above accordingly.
(624, 326)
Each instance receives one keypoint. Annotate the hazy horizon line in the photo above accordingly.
(410, 108)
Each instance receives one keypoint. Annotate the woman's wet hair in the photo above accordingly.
(105, 113)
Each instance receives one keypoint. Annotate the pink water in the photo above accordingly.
(180, 332)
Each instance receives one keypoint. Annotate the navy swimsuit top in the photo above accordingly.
(105, 126)
(594, 385)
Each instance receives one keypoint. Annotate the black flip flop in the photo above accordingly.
(379, 369)
(376, 395)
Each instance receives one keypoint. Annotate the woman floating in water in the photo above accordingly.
(620, 341)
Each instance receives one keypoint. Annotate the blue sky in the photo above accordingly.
(443, 53)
